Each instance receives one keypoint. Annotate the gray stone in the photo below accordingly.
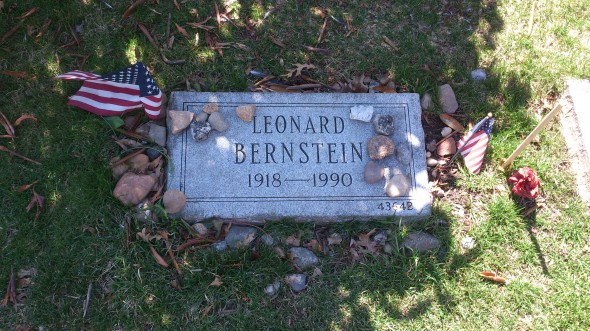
(420, 242)
(303, 258)
(211, 108)
(301, 157)
(217, 122)
(373, 172)
(403, 154)
(219, 246)
(132, 188)
(201, 117)
(447, 99)
(361, 113)
(158, 134)
(154, 151)
(431, 162)
(380, 237)
(478, 74)
(468, 243)
(446, 131)
(272, 289)
(431, 146)
(200, 130)
(426, 102)
(139, 162)
(174, 201)
(240, 236)
(383, 124)
(380, 147)
(397, 186)
(267, 239)
(297, 282)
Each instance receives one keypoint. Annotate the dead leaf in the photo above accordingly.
(24, 117)
(315, 49)
(276, 41)
(131, 9)
(319, 12)
(314, 245)
(492, 276)
(28, 13)
(201, 25)
(366, 243)
(26, 187)
(354, 254)
(146, 236)
(390, 43)
(10, 295)
(1, 5)
(17, 74)
(316, 272)
(292, 241)
(175, 284)
(4, 149)
(298, 69)
(176, 5)
(42, 30)
(334, 239)
(36, 201)
(451, 122)
(29, 29)
(11, 31)
(181, 30)
(384, 89)
(148, 35)
(158, 258)
(206, 311)
(7, 127)
(217, 15)
(216, 282)
(322, 30)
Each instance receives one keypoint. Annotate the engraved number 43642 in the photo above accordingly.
(395, 206)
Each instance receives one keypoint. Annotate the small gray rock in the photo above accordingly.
(431, 146)
(240, 236)
(380, 237)
(217, 122)
(219, 246)
(246, 112)
(200, 130)
(446, 131)
(478, 74)
(267, 239)
(447, 99)
(403, 154)
(373, 172)
(179, 120)
(297, 282)
(383, 124)
(431, 162)
(426, 101)
(154, 151)
(303, 258)
(271, 289)
(420, 242)
(468, 243)
(157, 134)
(201, 117)
(361, 113)
(280, 252)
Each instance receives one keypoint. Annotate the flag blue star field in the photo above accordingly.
(118, 92)
(474, 144)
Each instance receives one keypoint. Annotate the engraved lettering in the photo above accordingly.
(240, 154)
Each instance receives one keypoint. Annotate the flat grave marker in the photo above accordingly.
(301, 157)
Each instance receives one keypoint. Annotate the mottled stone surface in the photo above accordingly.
(297, 282)
(217, 122)
(303, 258)
(132, 188)
(200, 130)
(246, 112)
(373, 172)
(447, 99)
(383, 124)
(380, 147)
(300, 157)
(420, 241)
(173, 201)
(179, 120)
(361, 113)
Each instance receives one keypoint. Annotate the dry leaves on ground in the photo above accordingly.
(216, 282)
(37, 201)
(299, 68)
(492, 276)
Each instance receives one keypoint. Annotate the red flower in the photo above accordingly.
(525, 181)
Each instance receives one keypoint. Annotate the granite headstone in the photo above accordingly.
(300, 157)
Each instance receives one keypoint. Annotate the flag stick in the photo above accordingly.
(530, 137)
(472, 131)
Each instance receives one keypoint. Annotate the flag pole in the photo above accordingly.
(472, 131)
(530, 137)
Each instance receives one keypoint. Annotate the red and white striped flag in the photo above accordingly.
(118, 92)
(474, 144)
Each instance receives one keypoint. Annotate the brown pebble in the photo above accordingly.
(174, 201)
(246, 112)
(380, 147)
(447, 147)
(211, 108)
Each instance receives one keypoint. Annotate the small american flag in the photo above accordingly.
(474, 144)
(118, 92)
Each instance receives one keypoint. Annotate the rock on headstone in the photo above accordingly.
(380, 147)
(447, 99)
(303, 258)
(217, 122)
(179, 120)
(420, 242)
(211, 108)
(246, 112)
(383, 124)
(373, 172)
(131, 189)
(174, 201)
(200, 130)
(361, 113)
(240, 236)
(297, 282)
(201, 117)
(397, 186)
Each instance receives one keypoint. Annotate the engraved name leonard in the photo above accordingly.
(306, 151)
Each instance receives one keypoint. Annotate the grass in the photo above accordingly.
(80, 237)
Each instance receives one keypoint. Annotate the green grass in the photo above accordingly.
(80, 238)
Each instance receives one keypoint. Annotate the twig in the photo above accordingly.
(4, 149)
(315, 49)
(168, 30)
(171, 62)
(87, 301)
(322, 30)
(532, 17)
(174, 263)
(124, 159)
(303, 86)
(447, 137)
